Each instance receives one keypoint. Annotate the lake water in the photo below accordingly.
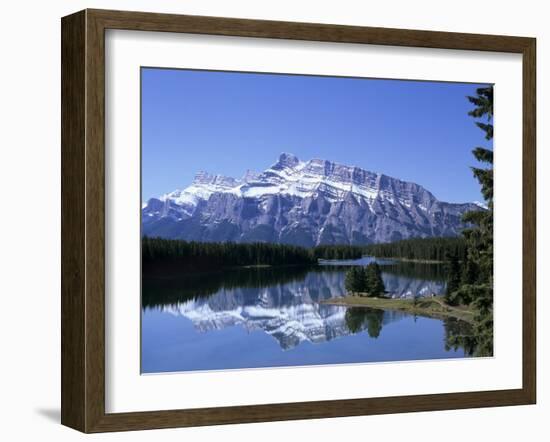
(272, 317)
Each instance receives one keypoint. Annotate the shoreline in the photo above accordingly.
(418, 261)
(432, 307)
(385, 258)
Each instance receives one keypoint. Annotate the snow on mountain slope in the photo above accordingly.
(303, 203)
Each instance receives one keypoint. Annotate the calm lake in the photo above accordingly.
(271, 317)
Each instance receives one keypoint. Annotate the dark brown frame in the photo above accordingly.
(83, 217)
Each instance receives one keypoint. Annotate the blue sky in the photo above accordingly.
(226, 123)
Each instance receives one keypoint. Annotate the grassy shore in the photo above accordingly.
(434, 307)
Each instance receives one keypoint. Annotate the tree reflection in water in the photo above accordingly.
(357, 318)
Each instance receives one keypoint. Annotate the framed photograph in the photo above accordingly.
(269, 220)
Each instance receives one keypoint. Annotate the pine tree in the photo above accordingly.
(374, 284)
(365, 280)
(479, 238)
(454, 277)
(353, 281)
(477, 287)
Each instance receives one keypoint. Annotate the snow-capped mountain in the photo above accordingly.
(304, 203)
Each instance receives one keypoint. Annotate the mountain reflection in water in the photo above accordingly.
(284, 304)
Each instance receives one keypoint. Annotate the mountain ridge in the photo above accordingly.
(304, 203)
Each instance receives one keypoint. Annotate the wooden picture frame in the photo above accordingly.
(83, 220)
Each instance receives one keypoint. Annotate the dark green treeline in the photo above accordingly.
(422, 249)
(338, 252)
(204, 255)
(190, 255)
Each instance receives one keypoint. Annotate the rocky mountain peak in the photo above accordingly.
(286, 160)
(302, 203)
(204, 178)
